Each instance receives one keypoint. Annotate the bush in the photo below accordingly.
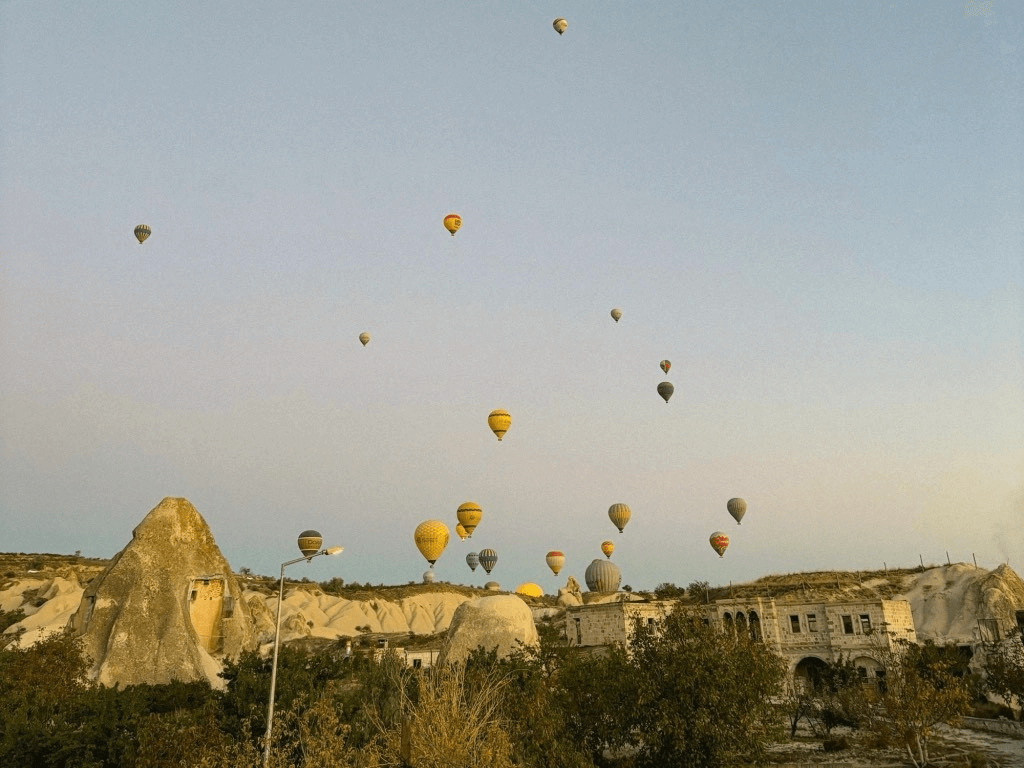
(836, 743)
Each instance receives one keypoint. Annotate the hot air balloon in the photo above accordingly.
(560, 25)
(493, 586)
(499, 421)
(365, 338)
(431, 538)
(603, 576)
(555, 560)
(737, 508)
(529, 589)
(619, 514)
(472, 560)
(469, 514)
(452, 222)
(616, 314)
(428, 576)
(488, 559)
(608, 547)
(309, 543)
(719, 542)
(665, 389)
(142, 232)
(665, 365)
(461, 531)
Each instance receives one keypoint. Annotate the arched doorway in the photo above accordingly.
(809, 672)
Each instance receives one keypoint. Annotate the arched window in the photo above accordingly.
(755, 626)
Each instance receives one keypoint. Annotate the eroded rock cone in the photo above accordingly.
(167, 607)
(496, 622)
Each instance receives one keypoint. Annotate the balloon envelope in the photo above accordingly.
(719, 542)
(619, 514)
(603, 576)
(607, 547)
(472, 560)
(488, 559)
(142, 232)
(499, 421)
(665, 389)
(616, 314)
(560, 25)
(469, 514)
(431, 538)
(452, 222)
(665, 365)
(309, 543)
(555, 561)
(530, 589)
(365, 338)
(461, 531)
(737, 508)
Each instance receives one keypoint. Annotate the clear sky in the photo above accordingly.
(815, 211)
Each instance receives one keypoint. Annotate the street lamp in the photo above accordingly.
(309, 545)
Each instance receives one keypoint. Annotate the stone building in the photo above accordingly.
(807, 634)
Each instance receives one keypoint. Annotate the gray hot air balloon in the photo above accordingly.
(428, 577)
(488, 559)
(309, 543)
(603, 576)
(737, 508)
(472, 560)
(665, 389)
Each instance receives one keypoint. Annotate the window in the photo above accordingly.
(865, 624)
(794, 624)
(812, 622)
(847, 625)
(579, 633)
(417, 663)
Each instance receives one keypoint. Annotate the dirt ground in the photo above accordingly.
(952, 747)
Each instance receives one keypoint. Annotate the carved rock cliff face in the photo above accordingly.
(167, 607)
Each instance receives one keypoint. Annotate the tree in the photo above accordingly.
(1004, 669)
(922, 689)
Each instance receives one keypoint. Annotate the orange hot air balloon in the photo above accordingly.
(431, 538)
(469, 514)
(719, 542)
(452, 222)
(608, 547)
(499, 421)
(555, 561)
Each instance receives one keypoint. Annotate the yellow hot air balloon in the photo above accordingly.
(431, 538)
(364, 337)
(719, 542)
(452, 222)
(560, 25)
(555, 561)
(469, 514)
(619, 514)
(499, 421)
(608, 547)
(529, 589)
(461, 531)
(142, 232)
(616, 314)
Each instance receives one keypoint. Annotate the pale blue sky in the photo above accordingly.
(813, 210)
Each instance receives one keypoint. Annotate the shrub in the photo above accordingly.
(836, 743)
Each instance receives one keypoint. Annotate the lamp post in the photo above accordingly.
(309, 545)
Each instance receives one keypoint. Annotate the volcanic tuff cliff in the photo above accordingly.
(167, 607)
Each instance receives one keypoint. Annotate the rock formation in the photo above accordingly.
(495, 622)
(570, 594)
(167, 607)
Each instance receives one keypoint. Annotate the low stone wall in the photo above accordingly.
(1006, 727)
